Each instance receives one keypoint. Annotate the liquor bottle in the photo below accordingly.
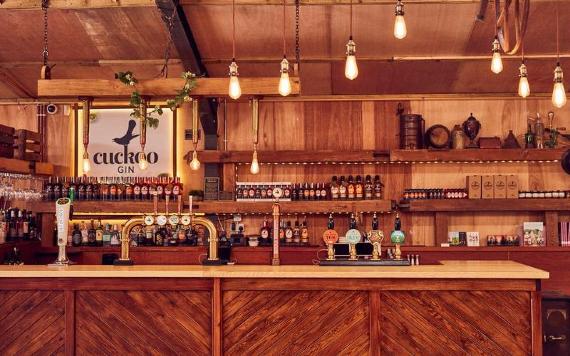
(377, 187)
(359, 188)
(91, 234)
(158, 237)
(352, 222)
(300, 192)
(297, 232)
(181, 235)
(251, 192)
(324, 195)
(137, 189)
(33, 227)
(81, 186)
(263, 192)
(160, 188)
(306, 192)
(144, 189)
(265, 232)
(257, 192)
(26, 222)
(286, 192)
(239, 192)
(342, 188)
(76, 237)
(96, 189)
(270, 191)
(282, 232)
(318, 191)
(397, 223)
(375, 223)
(304, 232)
(149, 236)
(140, 238)
(3, 227)
(56, 189)
(84, 234)
(334, 188)
(129, 192)
(350, 188)
(89, 188)
(288, 233)
(172, 233)
(294, 192)
(368, 188)
(115, 236)
(312, 193)
(120, 195)
(168, 189)
(48, 189)
(99, 234)
(330, 224)
(12, 226)
(177, 188)
(20, 225)
(65, 188)
(190, 236)
(103, 189)
(107, 235)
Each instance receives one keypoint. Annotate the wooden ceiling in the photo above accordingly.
(446, 50)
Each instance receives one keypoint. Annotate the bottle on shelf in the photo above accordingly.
(20, 225)
(265, 232)
(377, 187)
(334, 188)
(350, 188)
(92, 234)
(81, 189)
(306, 192)
(304, 232)
(84, 234)
(375, 223)
(330, 223)
(282, 232)
(115, 236)
(12, 226)
(99, 234)
(342, 187)
(129, 190)
(65, 188)
(352, 222)
(312, 193)
(107, 235)
(149, 236)
(368, 188)
(48, 189)
(359, 188)
(56, 189)
(297, 232)
(89, 189)
(288, 233)
(76, 236)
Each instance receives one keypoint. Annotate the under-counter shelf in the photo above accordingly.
(478, 155)
(489, 205)
(126, 208)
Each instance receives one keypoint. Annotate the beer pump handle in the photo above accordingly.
(179, 198)
(155, 203)
(62, 214)
(167, 200)
(190, 204)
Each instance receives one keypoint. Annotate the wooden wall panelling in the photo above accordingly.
(441, 225)
(176, 322)
(555, 262)
(296, 322)
(449, 322)
(551, 228)
(32, 322)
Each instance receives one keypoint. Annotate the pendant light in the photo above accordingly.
(86, 114)
(351, 68)
(400, 30)
(284, 81)
(496, 61)
(524, 87)
(558, 92)
(195, 163)
(254, 168)
(143, 163)
(234, 90)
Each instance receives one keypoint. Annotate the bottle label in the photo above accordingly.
(98, 235)
(137, 190)
(264, 233)
(334, 192)
(176, 190)
(289, 233)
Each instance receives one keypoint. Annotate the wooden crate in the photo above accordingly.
(6, 141)
(28, 145)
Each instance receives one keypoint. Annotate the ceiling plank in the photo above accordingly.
(74, 4)
(14, 85)
(90, 63)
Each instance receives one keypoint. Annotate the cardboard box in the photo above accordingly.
(499, 187)
(487, 187)
(512, 187)
(474, 187)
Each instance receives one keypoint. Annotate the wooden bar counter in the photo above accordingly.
(467, 307)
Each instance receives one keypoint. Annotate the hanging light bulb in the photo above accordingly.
(524, 87)
(86, 163)
(400, 30)
(351, 68)
(254, 168)
(195, 163)
(143, 163)
(234, 90)
(496, 61)
(284, 82)
(558, 93)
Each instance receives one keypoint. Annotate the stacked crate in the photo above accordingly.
(6, 141)
(27, 145)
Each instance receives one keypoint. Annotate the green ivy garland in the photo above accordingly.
(182, 95)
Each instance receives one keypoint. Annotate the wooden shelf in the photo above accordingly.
(477, 155)
(311, 157)
(471, 205)
(12, 165)
(127, 208)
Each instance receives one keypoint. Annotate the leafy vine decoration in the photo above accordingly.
(151, 117)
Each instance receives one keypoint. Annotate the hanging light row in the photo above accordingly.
(400, 32)
(558, 92)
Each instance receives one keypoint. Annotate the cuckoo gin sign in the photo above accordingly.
(114, 145)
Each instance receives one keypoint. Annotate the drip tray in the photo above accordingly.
(345, 262)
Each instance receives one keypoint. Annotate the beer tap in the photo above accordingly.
(63, 215)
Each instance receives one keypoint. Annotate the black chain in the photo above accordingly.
(164, 70)
(45, 54)
(297, 26)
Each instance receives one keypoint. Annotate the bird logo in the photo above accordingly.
(128, 137)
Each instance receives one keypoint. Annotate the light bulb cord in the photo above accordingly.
(234, 29)
(557, 33)
(284, 43)
(350, 19)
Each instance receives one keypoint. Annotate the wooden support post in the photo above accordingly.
(441, 224)
(217, 302)
(69, 322)
(374, 307)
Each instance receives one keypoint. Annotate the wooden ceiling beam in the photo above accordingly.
(183, 39)
(91, 63)
(330, 2)
(14, 85)
(74, 4)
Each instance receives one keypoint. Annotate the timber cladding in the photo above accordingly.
(177, 316)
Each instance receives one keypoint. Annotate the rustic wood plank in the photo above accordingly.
(487, 205)
(476, 155)
(374, 304)
(217, 312)
(291, 156)
(551, 227)
(69, 322)
(157, 88)
(110, 284)
(536, 321)
(441, 227)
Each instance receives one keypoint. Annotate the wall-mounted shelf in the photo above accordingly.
(477, 155)
(126, 208)
(298, 156)
(470, 205)
(12, 165)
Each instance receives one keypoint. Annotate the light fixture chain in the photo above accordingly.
(45, 54)
(297, 34)
(170, 19)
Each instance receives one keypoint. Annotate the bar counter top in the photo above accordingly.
(446, 270)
